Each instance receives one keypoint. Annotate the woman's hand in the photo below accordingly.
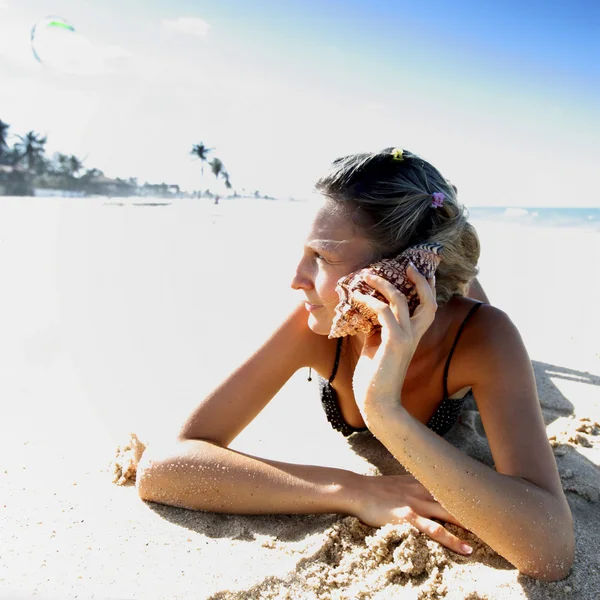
(385, 356)
(402, 499)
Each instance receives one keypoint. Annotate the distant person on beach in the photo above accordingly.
(405, 383)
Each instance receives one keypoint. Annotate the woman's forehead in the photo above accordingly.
(332, 228)
(330, 224)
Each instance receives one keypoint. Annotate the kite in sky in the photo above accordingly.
(46, 31)
(58, 46)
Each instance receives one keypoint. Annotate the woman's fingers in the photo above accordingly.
(425, 287)
(440, 534)
(417, 488)
(435, 510)
(395, 311)
(386, 317)
(398, 305)
(427, 504)
(425, 311)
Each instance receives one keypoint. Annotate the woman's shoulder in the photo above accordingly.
(228, 409)
(487, 315)
(488, 334)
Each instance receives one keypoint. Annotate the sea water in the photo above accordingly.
(587, 218)
(241, 208)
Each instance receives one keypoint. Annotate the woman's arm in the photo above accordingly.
(198, 471)
(200, 475)
(519, 509)
(231, 406)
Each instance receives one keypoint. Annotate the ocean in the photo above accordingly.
(586, 218)
(570, 217)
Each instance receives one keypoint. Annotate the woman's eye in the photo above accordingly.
(320, 257)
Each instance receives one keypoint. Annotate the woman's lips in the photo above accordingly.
(312, 307)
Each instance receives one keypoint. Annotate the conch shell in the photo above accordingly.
(352, 316)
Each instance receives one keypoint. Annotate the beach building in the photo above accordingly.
(14, 182)
(105, 186)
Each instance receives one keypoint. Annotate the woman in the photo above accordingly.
(405, 383)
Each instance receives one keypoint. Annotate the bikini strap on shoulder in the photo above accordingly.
(335, 364)
(458, 334)
(337, 359)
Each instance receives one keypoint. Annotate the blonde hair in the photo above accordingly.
(389, 201)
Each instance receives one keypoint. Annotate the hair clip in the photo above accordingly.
(397, 154)
(438, 199)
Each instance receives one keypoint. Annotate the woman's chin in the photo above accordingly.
(319, 326)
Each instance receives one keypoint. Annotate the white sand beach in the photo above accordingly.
(117, 318)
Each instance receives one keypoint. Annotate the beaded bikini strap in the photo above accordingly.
(335, 364)
(460, 330)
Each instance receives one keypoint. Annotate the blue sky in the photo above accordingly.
(502, 96)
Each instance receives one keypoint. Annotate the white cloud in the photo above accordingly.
(187, 25)
(114, 59)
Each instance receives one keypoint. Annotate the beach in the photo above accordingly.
(118, 316)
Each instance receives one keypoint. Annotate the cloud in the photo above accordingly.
(187, 25)
(114, 59)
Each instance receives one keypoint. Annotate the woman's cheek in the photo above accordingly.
(330, 296)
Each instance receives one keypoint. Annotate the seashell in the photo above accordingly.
(352, 316)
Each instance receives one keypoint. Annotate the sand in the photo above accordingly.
(106, 316)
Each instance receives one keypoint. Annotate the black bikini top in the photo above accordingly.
(441, 422)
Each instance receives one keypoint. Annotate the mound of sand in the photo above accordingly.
(127, 458)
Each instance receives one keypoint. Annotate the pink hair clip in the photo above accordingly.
(438, 199)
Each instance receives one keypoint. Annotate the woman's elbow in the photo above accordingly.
(156, 474)
(556, 560)
(149, 480)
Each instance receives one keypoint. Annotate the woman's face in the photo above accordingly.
(331, 250)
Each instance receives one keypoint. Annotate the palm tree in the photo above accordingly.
(218, 169)
(64, 169)
(75, 165)
(225, 176)
(31, 147)
(60, 163)
(216, 166)
(91, 173)
(3, 137)
(201, 152)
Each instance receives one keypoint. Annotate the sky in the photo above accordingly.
(502, 97)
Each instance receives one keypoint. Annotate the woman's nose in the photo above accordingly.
(301, 280)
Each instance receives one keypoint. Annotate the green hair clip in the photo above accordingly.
(397, 154)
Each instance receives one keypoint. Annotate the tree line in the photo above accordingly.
(25, 167)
